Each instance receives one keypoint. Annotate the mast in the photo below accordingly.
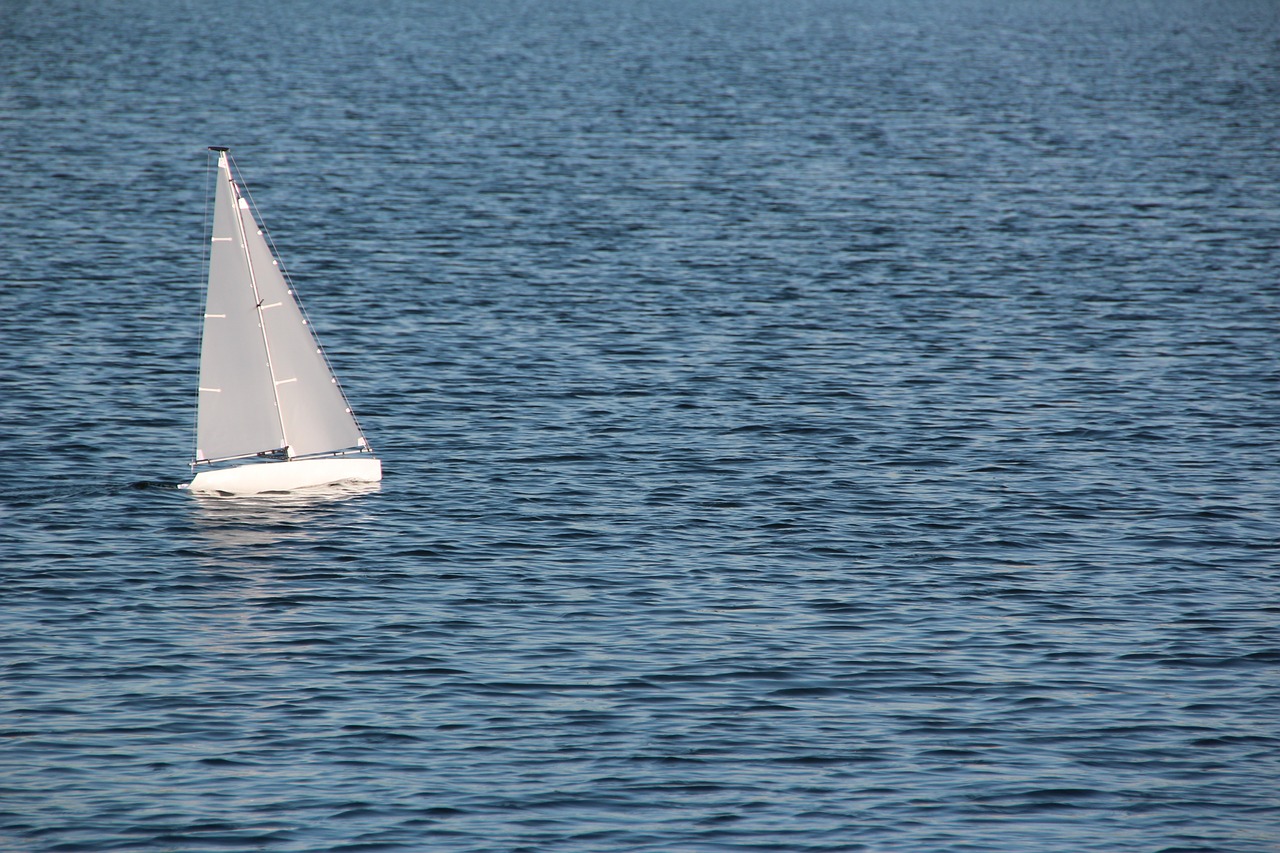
(242, 204)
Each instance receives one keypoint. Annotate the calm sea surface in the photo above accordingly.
(807, 426)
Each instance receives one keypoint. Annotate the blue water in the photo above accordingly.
(807, 426)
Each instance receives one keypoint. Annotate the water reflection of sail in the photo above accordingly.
(296, 517)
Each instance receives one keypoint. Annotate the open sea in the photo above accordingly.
(821, 425)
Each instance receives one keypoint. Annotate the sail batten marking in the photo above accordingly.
(272, 305)
(222, 239)
(212, 390)
(280, 382)
(215, 316)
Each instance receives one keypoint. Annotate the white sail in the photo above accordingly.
(264, 384)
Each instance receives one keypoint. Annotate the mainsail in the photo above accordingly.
(265, 387)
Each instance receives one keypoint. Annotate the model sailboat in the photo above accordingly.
(270, 407)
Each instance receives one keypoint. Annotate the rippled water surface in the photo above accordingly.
(808, 426)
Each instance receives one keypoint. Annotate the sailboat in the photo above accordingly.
(271, 415)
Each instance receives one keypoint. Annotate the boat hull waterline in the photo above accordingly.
(285, 476)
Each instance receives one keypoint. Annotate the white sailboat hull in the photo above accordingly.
(286, 476)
